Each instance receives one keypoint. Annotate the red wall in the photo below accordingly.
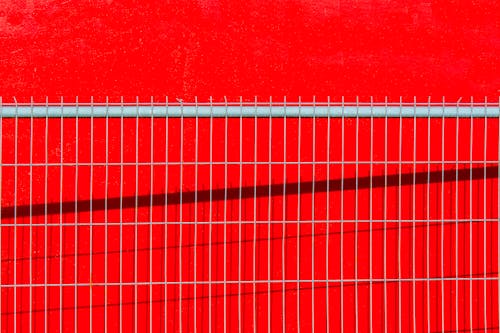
(251, 48)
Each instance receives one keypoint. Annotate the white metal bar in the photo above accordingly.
(248, 110)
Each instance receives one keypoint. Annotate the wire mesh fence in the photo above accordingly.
(200, 217)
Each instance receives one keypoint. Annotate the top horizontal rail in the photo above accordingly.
(305, 111)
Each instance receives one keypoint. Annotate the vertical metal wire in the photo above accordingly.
(399, 207)
(254, 303)
(299, 140)
(356, 220)
(76, 219)
(327, 245)
(181, 160)
(428, 213)
(225, 216)
(195, 287)
(91, 208)
(210, 222)
(1, 180)
(470, 214)
(385, 215)
(31, 218)
(151, 191)
(136, 204)
(313, 226)
(106, 219)
(46, 211)
(342, 222)
(457, 129)
(414, 308)
(485, 314)
(121, 214)
(283, 227)
(269, 219)
(442, 216)
(498, 212)
(61, 145)
(16, 125)
(240, 212)
(371, 214)
(165, 245)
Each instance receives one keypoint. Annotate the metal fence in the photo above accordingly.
(265, 216)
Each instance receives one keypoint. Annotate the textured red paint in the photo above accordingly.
(252, 48)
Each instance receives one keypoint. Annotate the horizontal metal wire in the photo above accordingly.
(248, 222)
(302, 163)
(248, 111)
(199, 282)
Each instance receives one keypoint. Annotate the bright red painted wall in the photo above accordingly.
(252, 48)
